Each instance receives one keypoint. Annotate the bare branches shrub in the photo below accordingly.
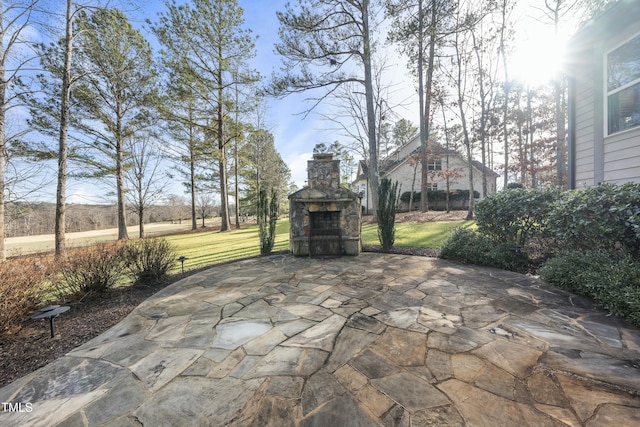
(91, 269)
(22, 285)
(149, 260)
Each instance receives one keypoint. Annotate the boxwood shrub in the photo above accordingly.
(516, 215)
(612, 278)
(471, 247)
(606, 216)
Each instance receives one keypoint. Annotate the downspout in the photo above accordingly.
(571, 145)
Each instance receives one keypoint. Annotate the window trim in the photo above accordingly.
(607, 93)
(433, 165)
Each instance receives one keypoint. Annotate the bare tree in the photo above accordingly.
(145, 178)
(336, 38)
(14, 21)
(204, 205)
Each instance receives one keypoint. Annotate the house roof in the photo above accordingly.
(391, 162)
(617, 15)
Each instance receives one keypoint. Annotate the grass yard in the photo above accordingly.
(206, 248)
(428, 235)
(212, 247)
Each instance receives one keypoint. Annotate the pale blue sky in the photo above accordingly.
(296, 136)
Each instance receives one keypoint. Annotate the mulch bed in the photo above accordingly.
(32, 347)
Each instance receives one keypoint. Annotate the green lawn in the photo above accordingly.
(211, 247)
(420, 235)
(206, 248)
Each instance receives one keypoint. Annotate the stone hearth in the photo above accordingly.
(325, 219)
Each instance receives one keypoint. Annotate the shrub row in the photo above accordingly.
(471, 247)
(21, 288)
(611, 278)
(26, 282)
(606, 216)
(588, 240)
(100, 267)
(438, 195)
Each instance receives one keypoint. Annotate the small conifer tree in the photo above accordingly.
(267, 218)
(386, 212)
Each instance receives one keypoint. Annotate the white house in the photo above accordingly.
(403, 166)
(604, 98)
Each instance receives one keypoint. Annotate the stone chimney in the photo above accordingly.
(325, 219)
(323, 172)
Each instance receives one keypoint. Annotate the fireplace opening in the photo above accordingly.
(324, 233)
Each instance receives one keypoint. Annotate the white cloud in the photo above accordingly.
(298, 165)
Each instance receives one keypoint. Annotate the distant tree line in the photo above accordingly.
(34, 218)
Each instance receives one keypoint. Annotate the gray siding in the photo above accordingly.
(585, 137)
(622, 157)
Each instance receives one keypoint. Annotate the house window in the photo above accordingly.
(432, 186)
(623, 86)
(435, 165)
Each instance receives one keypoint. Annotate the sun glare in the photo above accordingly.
(538, 57)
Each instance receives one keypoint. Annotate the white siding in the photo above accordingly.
(403, 173)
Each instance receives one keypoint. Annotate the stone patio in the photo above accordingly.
(372, 340)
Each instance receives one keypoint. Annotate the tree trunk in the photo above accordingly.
(371, 120)
(3, 141)
(505, 105)
(192, 170)
(225, 223)
(61, 190)
(424, 201)
(122, 209)
(235, 160)
(141, 219)
(560, 129)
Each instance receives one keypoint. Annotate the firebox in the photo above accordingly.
(325, 218)
(324, 234)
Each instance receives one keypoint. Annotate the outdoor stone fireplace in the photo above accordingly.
(325, 219)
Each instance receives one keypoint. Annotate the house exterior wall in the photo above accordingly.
(404, 173)
(599, 157)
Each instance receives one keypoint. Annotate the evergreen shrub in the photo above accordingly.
(606, 216)
(471, 247)
(267, 212)
(612, 278)
(514, 216)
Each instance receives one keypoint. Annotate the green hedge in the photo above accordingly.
(439, 195)
(587, 240)
(606, 217)
(611, 278)
(514, 216)
(471, 247)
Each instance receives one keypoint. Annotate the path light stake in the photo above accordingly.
(182, 259)
(50, 312)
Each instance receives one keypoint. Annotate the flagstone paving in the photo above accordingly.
(372, 340)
